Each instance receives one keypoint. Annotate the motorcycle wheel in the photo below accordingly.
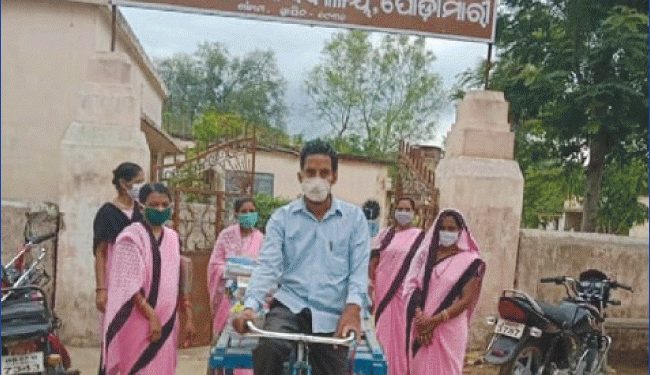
(526, 362)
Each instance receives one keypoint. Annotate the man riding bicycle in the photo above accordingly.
(316, 251)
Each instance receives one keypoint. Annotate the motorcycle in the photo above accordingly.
(30, 344)
(532, 337)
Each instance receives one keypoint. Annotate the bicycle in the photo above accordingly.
(231, 350)
(298, 364)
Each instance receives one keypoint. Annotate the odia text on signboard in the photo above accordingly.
(472, 20)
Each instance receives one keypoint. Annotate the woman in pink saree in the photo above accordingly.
(238, 240)
(144, 296)
(390, 259)
(442, 290)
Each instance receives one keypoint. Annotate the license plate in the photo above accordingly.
(24, 363)
(508, 328)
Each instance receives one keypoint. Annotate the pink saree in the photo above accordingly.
(446, 353)
(137, 266)
(229, 244)
(390, 324)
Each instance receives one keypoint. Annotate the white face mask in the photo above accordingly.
(448, 238)
(135, 191)
(403, 218)
(316, 189)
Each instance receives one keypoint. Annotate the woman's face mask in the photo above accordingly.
(248, 220)
(134, 192)
(404, 218)
(448, 238)
(157, 216)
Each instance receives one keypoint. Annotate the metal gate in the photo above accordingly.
(205, 186)
(416, 179)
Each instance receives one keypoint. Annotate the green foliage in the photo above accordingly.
(212, 81)
(373, 96)
(549, 180)
(546, 188)
(266, 205)
(211, 126)
(575, 75)
(623, 184)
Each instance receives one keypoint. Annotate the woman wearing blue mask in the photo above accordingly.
(241, 239)
(146, 293)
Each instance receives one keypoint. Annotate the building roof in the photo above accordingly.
(158, 139)
(296, 151)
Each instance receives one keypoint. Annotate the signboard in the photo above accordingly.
(470, 20)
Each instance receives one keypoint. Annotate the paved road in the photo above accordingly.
(194, 361)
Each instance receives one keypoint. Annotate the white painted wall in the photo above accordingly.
(358, 180)
(45, 50)
(71, 113)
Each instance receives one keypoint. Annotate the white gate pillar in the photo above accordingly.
(104, 133)
(479, 177)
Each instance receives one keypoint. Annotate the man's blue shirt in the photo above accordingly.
(320, 265)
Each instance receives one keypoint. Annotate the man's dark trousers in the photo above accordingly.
(270, 355)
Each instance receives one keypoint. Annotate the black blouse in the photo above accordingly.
(109, 222)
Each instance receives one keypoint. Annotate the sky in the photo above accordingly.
(297, 48)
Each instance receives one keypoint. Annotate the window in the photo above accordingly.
(236, 179)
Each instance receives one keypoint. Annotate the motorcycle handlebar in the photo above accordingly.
(556, 280)
(38, 239)
(616, 284)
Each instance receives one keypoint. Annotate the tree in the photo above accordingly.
(580, 69)
(181, 74)
(212, 125)
(376, 96)
(624, 181)
(210, 80)
(266, 205)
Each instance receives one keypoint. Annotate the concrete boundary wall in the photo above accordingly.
(550, 253)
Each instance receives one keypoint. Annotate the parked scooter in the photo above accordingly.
(535, 338)
(29, 341)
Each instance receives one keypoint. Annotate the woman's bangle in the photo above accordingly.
(185, 302)
(98, 289)
(445, 315)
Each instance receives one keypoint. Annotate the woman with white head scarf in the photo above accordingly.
(442, 289)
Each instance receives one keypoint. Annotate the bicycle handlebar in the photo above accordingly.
(348, 341)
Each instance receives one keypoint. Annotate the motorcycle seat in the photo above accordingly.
(24, 309)
(24, 331)
(561, 315)
(23, 320)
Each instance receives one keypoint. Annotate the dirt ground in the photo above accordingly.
(473, 367)
(194, 361)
